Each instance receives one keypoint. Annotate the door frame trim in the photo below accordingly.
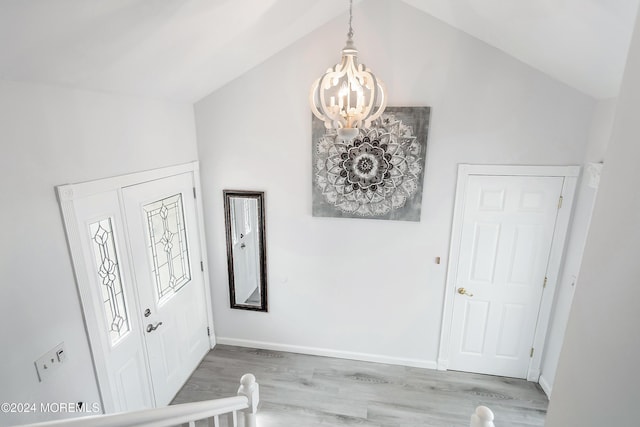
(67, 194)
(570, 175)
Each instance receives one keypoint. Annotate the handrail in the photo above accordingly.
(187, 413)
(184, 413)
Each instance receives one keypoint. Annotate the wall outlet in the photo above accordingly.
(50, 361)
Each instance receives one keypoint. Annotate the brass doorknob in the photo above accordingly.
(463, 291)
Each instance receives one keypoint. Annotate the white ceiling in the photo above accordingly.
(185, 49)
(582, 43)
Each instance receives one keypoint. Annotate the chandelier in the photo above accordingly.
(348, 96)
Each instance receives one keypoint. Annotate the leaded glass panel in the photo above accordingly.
(168, 245)
(108, 272)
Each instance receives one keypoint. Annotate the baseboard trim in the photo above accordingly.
(533, 375)
(546, 387)
(315, 351)
(442, 364)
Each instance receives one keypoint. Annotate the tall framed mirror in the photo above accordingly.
(246, 249)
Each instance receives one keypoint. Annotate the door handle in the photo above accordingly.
(463, 291)
(151, 328)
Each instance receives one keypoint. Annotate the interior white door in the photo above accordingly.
(110, 295)
(162, 223)
(507, 231)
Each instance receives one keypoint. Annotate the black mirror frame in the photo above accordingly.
(259, 196)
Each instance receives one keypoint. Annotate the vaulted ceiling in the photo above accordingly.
(185, 49)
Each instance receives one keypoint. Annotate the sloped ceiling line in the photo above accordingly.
(184, 50)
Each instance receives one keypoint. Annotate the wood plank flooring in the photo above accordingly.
(308, 391)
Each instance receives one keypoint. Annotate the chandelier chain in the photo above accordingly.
(350, 33)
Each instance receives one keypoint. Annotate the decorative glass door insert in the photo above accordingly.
(108, 272)
(167, 241)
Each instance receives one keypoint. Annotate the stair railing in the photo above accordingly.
(184, 414)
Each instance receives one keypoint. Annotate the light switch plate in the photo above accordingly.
(50, 361)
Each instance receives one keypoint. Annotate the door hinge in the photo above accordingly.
(201, 266)
(531, 354)
(560, 202)
(194, 192)
(208, 331)
(544, 284)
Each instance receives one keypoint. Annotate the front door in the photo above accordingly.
(507, 230)
(162, 224)
(135, 244)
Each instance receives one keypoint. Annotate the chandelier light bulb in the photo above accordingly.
(348, 96)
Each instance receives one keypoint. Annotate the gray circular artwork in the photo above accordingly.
(372, 174)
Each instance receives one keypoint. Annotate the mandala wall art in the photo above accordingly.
(379, 174)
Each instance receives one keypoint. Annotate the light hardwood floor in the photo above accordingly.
(308, 391)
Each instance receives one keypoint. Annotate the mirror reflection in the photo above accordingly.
(244, 218)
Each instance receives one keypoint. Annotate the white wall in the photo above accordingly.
(600, 130)
(598, 372)
(53, 136)
(367, 286)
(599, 135)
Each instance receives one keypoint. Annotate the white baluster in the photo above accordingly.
(232, 419)
(482, 418)
(250, 389)
(214, 421)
